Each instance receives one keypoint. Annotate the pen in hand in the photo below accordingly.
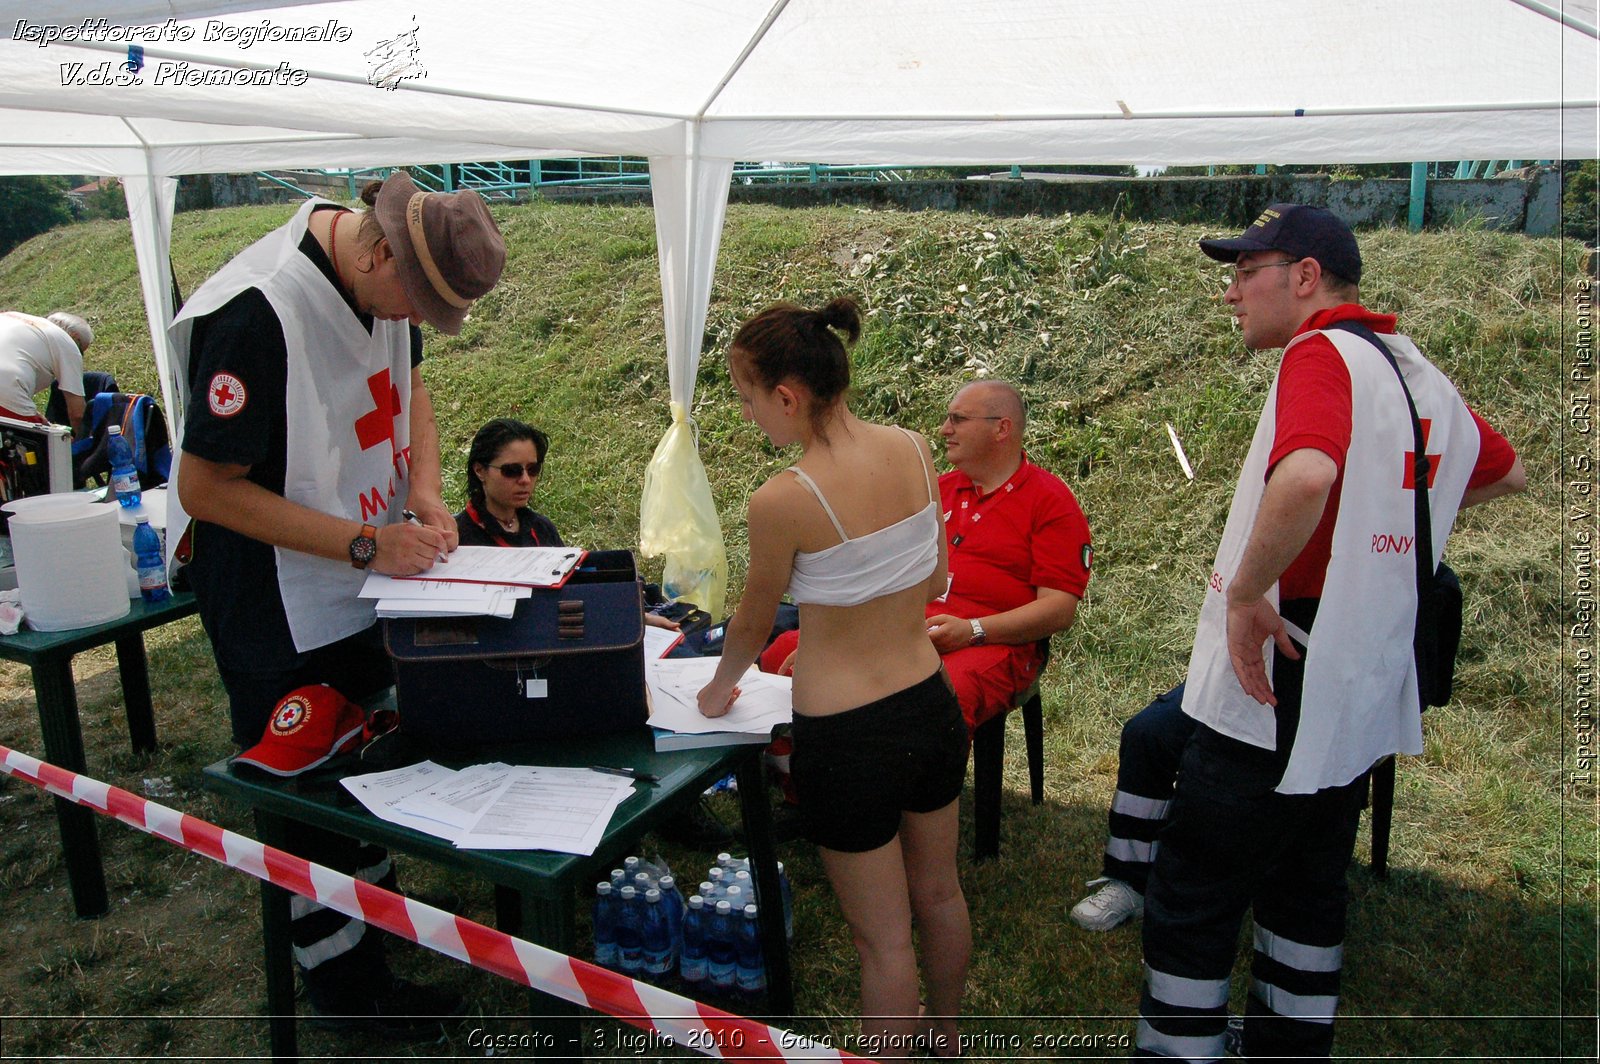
(413, 519)
(632, 774)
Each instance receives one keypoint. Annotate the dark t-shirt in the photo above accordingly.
(482, 530)
(240, 347)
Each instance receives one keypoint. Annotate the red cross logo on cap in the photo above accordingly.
(225, 395)
(377, 424)
(290, 716)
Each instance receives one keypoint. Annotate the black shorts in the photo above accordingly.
(855, 772)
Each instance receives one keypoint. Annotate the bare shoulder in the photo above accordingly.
(779, 499)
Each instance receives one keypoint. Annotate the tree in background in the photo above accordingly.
(1580, 202)
(107, 201)
(29, 206)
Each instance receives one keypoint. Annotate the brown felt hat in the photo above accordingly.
(447, 246)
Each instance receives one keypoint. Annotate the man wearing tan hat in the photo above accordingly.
(309, 435)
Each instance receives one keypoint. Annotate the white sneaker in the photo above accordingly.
(1114, 903)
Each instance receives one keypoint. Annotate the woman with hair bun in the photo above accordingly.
(854, 534)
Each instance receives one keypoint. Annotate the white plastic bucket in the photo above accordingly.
(69, 565)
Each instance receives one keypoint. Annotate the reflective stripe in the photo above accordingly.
(337, 944)
(1205, 1047)
(1130, 850)
(1188, 993)
(1298, 955)
(1309, 1008)
(1141, 807)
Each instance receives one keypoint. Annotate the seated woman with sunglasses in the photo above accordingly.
(502, 469)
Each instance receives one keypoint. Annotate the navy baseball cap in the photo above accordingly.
(1302, 231)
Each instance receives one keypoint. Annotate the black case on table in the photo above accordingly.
(570, 661)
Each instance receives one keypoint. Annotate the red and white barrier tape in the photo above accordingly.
(683, 1020)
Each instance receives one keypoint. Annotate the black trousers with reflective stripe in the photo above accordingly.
(1232, 843)
(1147, 767)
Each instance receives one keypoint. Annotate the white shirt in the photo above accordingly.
(33, 352)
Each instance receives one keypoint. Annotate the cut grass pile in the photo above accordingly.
(1478, 944)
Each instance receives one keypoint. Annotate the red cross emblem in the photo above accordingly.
(1410, 481)
(291, 716)
(377, 424)
(225, 395)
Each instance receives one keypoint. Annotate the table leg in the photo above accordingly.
(277, 946)
(552, 923)
(63, 747)
(135, 671)
(756, 812)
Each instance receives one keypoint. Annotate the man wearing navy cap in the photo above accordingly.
(1302, 674)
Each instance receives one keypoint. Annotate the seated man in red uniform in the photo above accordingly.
(1019, 555)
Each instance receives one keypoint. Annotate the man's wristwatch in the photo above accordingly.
(977, 632)
(364, 547)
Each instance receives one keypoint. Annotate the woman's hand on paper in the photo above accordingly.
(655, 620)
(715, 700)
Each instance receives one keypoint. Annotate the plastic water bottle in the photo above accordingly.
(736, 897)
(630, 934)
(692, 963)
(124, 474)
(709, 891)
(152, 562)
(656, 938)
(743, 880)
(751, 972)
(630, 865)
(721, 954)
(619, 880)
(642, 882)
(605, 925)
(672, 902)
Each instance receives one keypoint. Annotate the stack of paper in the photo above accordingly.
(496, 806)
(472, 582)
(765, 701)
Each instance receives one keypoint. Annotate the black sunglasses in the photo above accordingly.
(514, 470)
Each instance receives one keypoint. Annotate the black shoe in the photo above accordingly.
(401, 1009)
(697, 828)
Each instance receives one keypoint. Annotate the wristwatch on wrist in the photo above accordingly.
(977, 632)
(364, 547)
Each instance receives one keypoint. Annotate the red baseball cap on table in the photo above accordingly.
(308, 727)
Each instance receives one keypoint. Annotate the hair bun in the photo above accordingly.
(369, 192)
(843, 314)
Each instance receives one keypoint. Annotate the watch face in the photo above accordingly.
(362, 550)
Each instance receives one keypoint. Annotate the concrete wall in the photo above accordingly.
(1527, 200)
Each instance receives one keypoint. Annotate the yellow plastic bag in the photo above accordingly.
(678, 518)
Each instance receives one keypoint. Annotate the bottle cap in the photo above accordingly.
(602, 887)
(628, 893)
(696, 901)
(750, 911)
(724, 908)
(734, 893)
(652, 895)
(113, 430)
(723, 859)
(142, 519)
(668, 883)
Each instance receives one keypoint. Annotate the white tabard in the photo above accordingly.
(1359, 699)
(348, 424)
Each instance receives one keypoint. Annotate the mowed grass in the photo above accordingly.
(1479, 943)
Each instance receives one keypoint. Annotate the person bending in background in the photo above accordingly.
(309, 432)
(36, 352)
(503, 468)
(853, 533)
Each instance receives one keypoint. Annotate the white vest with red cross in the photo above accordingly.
(1359, 700)
(347, 419)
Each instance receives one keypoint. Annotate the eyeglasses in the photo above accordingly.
(514, 470)
(1240, 271)
(961, 419)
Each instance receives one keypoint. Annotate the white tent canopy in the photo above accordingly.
(696, 84)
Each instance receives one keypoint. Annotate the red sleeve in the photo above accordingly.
(1495, 456)
(1314, 405)
(1061, 552)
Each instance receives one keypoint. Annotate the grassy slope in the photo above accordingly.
(1112, 330)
